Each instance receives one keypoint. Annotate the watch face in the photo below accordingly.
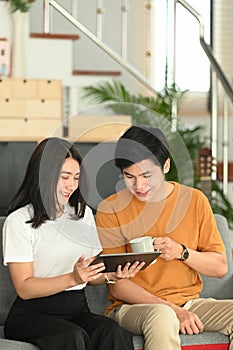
(185, 254)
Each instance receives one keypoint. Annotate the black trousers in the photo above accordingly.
(64, 322)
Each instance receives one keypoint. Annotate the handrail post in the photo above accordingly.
(174, 108)
(214, 64)
(214, 125)
(135, 73)
(124, 28)
(99, 19)
(217, 74)
(74, 8)
(47, 17)
(225, 144)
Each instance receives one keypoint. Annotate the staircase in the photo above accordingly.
(57, 59)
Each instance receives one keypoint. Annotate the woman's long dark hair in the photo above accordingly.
(39, 186)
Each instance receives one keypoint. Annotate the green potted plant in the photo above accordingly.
(121, 101)
(20, 5)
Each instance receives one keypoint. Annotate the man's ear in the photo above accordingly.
(166, 166)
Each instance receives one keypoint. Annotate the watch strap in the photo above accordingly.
(108, 281)
(185, 253)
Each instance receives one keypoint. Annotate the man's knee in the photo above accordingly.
(162, 318)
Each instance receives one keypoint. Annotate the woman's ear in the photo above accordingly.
(166, 166)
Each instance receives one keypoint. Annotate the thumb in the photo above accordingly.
(81, 258)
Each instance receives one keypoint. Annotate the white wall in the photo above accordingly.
(86, 55)
(47, 61)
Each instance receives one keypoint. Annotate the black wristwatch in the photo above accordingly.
(185, 254)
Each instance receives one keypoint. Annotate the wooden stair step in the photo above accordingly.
(55, 36)
(96, 72)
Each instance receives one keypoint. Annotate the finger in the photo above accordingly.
(140, 266)
(182, 330)
(123, 273)
(90, 260)
(94, 277)
(199, 324)
(134, 265)
(96, 267)
(126, 267)
(119, 269)
(94, 274)
(160, 246)
(134, 270)
(194, 328)
(88, 274)
(81, 258)
(186, 328)
(82, 262)
(158, 240)
(189, 330)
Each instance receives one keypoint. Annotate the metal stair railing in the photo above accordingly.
(217, 72)
(122, 61)
(217, 76)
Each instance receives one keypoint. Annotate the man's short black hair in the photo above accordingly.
(139, 143)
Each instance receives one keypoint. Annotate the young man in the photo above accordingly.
(163, 299)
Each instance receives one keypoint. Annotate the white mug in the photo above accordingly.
(142, 244)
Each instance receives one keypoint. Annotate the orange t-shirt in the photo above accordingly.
(185, 216)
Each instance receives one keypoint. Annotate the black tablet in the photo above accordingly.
(111, 261)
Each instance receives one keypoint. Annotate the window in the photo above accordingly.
(192, 66)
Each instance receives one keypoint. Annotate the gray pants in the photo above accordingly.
(159, 324)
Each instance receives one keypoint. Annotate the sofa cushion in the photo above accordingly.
(7, 292)
(98, 302)
(97, 298)
(204, 338)
(6, 344)
(221, 288)
(206, 347)
(203, 341)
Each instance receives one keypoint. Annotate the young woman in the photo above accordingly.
(49, 241)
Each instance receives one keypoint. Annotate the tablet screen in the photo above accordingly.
(111, 261)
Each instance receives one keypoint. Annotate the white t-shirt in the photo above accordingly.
(53, 247)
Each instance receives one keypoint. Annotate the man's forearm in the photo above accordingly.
(211, 264)
(131, 293)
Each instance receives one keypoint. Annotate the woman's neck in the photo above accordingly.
(60, 211)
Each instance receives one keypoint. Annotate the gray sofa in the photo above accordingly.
(97, 298)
